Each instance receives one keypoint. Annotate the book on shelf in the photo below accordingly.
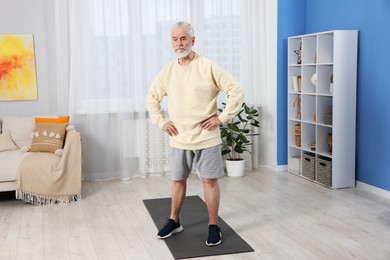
(297, 83)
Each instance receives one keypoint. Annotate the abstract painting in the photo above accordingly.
(17, 67)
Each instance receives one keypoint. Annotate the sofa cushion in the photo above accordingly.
(20, 129)
(48, 137)
(59, 120)
(9, 164)
(6, 143)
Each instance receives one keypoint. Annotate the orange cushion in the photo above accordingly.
(60, 120)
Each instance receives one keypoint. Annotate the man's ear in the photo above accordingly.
(193, 40)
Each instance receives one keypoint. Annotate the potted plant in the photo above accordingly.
(236, 134)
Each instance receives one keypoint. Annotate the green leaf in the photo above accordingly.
(225, 152)
(238, 150)
(235, 128)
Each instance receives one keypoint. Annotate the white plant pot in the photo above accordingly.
(331, 88)
(235, 168)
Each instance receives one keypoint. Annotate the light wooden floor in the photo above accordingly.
(280, 215)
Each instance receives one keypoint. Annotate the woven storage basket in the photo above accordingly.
(324, 171)
(298, 135)
(308, 165)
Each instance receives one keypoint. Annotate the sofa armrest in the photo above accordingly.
(71, 156)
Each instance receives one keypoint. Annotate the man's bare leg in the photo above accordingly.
(212, 197)
(172, 225)
(178, 195)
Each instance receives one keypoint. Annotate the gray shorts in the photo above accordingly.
(208, 163)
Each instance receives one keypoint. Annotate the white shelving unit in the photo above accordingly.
(327, 115)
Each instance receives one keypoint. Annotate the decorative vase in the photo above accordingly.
(235, 168)
(314, 79)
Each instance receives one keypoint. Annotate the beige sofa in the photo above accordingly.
(38, 177)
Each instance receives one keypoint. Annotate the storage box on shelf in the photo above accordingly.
(321, 106)
(308, 168)
(324, 170)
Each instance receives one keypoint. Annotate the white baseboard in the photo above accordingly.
(373, 189)
(277, 168)
(280, 168)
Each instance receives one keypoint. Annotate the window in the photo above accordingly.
(128, 42)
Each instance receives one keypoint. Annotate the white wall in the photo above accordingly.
(28, 17)
(268, 136)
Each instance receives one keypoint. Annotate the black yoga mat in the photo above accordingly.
(191, 242)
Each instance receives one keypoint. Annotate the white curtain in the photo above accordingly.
(108, 53)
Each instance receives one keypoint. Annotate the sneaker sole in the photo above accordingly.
(176, 230)
(215, 244)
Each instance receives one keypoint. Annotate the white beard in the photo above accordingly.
(182, 54)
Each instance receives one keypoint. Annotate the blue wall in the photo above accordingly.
(372, 20)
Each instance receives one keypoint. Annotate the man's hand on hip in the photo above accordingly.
(210, 123)
(170, 129)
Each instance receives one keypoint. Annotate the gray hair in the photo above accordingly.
(186, 26)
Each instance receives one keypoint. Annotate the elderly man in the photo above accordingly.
(192, 83)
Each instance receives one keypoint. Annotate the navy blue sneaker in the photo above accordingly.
(215, 234)
(170, 228)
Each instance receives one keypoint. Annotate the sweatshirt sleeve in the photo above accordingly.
(228, 84)
(154, 97)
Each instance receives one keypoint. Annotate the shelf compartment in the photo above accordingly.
(294, 44)
(294, 111)
(307, 85)
(325, 48)
(308, 108)
(308, 136)
(294, 161)
(293, 142)
(309, 49)
(325, 110)
(324, 141)
(294, 72)
(324, 73)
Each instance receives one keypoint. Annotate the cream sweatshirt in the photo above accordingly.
(192, 92)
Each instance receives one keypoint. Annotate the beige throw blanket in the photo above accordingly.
(45, 178)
